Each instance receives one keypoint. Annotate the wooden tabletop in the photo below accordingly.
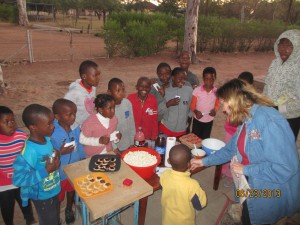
(119, 196)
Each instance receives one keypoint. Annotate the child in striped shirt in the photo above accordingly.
(11, 144)
(205, 104)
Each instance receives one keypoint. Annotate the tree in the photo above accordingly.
(23, 18)
(191, 28)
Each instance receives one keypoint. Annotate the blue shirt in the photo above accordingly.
(59, 137)
(36, 155)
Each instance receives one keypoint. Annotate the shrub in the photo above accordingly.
(140, 34)
(137, 34)
(216, 34)
(8, 13)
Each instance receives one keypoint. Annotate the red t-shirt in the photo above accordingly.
(241, 146)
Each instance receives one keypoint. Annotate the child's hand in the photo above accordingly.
(161, 91)
(66, 150)
(104, 140)
(153, 80)
(173, 102)
(117, 151)
(119, 136)
(198, 114)
(212, 112)
(53, 164)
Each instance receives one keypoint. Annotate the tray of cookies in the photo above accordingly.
(91, 185)
(105, 163)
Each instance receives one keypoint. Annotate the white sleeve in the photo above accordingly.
(91, 141)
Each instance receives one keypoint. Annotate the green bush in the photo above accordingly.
(217, 34)
(140, 34)
(8, 13)
(137, 34)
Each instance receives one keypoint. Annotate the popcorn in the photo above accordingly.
(140, 159)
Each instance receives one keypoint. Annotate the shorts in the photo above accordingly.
(65, 187)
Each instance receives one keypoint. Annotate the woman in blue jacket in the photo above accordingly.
(267, 154)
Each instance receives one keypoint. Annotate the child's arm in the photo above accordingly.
(213, 112)
(131, 124)
(155, 120)
(93, 141)
(79, 146)
(26, 175)
(197, 113)
(199, 199)
(217, 104)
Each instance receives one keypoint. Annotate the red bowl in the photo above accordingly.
(144, 172)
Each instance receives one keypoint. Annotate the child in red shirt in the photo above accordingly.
(144, 107)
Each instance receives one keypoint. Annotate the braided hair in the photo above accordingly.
(102, 99)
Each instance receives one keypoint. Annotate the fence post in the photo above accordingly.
(29, 44)
(71, 45)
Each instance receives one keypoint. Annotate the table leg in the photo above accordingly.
(83, 213)
(142, 210)
(77, 204)
(136, 212)
(217, 178)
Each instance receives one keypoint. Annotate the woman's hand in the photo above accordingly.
(196, 163)
(237, 168)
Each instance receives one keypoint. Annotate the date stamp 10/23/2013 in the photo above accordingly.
(258, 193)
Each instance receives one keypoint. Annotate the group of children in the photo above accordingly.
(82, 124)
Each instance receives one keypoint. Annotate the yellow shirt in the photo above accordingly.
(178, 190)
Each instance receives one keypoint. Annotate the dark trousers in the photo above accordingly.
(245, 215)
(7, 202)
(295, 125)
(48, 211)
(202, 130)
(189, 122)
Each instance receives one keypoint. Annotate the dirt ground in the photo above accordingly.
(43, 82)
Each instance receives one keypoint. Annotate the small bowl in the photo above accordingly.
(211, 145)
(198, 153)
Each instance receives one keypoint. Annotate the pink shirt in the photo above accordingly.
(205, 102)
(92, 127)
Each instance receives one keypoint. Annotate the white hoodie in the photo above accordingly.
(283, 79)
(83, 100)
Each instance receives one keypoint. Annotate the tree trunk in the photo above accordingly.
(104, 16)
(206, 8)
(191, 28)
(288, 13)
(243, 12)
(23, 18)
